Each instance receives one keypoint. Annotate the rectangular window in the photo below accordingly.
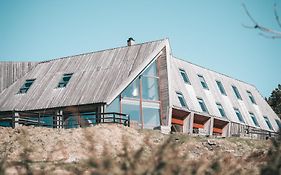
(239, 116)
(268, 122)
(254, 119)
(221, 110)
(221, 88)
(251, 97)
(150, 88)
(203, 82)
(278, 123)
(25, 87)
(181, 99)
(202, 105)
(184, 76)
(236, 92)
(151, 117)
(64, 80)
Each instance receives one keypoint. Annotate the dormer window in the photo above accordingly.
(25, 87)
(64, 80)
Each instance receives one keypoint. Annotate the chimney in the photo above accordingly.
(130, 41)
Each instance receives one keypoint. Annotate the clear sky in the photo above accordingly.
(208, 33)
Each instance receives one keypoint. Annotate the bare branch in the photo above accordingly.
(265, 31)
(276, 15)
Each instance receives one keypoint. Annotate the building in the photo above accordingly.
(142, 81)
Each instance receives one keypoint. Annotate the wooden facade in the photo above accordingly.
(100, 77)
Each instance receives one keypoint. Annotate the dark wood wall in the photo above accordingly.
(163, 87)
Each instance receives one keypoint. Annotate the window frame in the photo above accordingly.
(24, 89)
(251, 97)
(199, 99)
(203, 82)
(184, 76)
(240, 117)
(183, 102)
(221, 87)
(254, 119)
(223, 111)
(62, 81)
(236, 92)
(267, 121)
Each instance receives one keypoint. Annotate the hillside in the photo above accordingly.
(122, 150)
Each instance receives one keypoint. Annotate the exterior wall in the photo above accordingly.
(12, 71)
(163, 87)
(212, 95)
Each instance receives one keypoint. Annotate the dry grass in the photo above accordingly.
(156, 155)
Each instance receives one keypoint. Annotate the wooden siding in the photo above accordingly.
(163, 87)
(96, 76)
(12, 71)
(213, 95)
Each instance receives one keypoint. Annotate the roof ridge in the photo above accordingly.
(214, 71)
(86, 53)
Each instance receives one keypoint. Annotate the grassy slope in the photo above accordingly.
(122, 150)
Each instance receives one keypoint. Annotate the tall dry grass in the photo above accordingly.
(165, 158)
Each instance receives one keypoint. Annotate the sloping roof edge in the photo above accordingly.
(134, 74)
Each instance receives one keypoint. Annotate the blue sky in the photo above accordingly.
(208, 33)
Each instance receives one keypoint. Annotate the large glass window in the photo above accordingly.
(133, 109)
(203, 82)
(268, 122)
(221, 88)
(181, 99)
(239, 115)
(236, 92)
(254, 119)
(150, 88)
(184, 76)
(132, 91)
(151, 117)
(114, 106)
(151, 70)
(221, 110)
(25, 87)
(202, 105)
(251, 97)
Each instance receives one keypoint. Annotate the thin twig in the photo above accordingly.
(266, 32)
(276, 15)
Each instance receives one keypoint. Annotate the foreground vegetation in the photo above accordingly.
(167, 155)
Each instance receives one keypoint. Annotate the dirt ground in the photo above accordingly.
(74, 145)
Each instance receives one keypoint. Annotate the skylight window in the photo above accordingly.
(203, 82)
(221, 110)
(181, 99)
(202, 105)
(239, 116)
(254, 119)
(236, 92)
(251, 97)
(25, 87)
(184, 76)
(268, 122)
(278, 123)
(65, 79)
(221, 88)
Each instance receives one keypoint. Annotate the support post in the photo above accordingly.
(58, 119)
(190, 124)
(211, 126)
(16, 118)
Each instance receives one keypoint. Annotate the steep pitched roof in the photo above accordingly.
(97, 76)
(213, 95)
